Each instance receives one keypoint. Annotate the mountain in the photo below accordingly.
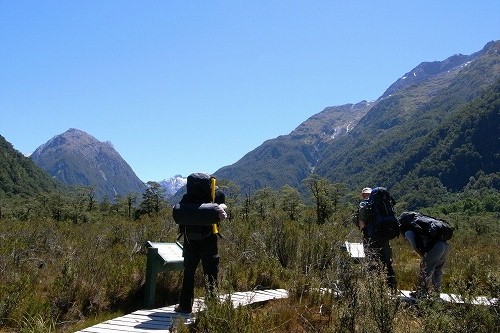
(438, 123)
(20, 176)
(77, 158)
(412, 119)
(173, 184)
(291, 158)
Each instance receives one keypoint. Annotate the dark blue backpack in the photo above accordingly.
(383, 225)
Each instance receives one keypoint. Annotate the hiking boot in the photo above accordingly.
(419, 294)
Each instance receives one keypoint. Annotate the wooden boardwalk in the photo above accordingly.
(162, 320)
(404, 295)
(457, 299)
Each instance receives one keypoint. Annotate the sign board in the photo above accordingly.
(160, 257)
(355, 250)
(168, 252)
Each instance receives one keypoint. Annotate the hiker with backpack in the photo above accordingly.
(378, 223)
(428, 236)
(198, 214)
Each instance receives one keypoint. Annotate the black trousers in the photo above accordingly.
(194, 251)
(381, 251)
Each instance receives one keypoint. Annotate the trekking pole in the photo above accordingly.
(215, 229)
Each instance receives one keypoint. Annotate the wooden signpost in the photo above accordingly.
(160, 257)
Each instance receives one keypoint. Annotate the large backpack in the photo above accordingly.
(196, 212)
(424, 225)
(198, 188)
(383, 225)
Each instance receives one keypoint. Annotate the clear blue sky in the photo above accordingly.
(186, 86)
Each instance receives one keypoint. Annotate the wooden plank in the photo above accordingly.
(147, 321)
(161, 312)
(141, 321)
(478, 300)
(246, 298)
(99, 329)
(276, 293)
(108, 328)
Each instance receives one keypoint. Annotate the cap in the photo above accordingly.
(366, 190)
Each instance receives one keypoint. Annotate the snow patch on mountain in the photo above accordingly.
(173, 184)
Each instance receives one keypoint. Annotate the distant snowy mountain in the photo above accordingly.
(173, 184)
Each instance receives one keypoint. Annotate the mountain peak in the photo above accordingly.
(77, 158)
(173, 184)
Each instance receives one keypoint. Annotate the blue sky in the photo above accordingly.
(187, 86)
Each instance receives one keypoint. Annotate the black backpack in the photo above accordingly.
(198, 188)
(196, 212)
(424, 225)
(383, 225)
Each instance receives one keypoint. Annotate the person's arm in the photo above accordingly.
(222, 213)
(410, 237)
(362, 215)
(220, 198)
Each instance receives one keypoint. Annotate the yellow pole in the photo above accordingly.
(212, 189)
(215, 229)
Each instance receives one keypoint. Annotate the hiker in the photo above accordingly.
(200, 241)
(431, 246)
(375, 247)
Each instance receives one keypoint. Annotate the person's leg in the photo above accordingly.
(381, 252)
(443, 248)
(191, 260)
(423, 282)
(431, 266)
(210, 261)
(386, 258)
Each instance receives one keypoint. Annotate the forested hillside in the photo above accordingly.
(424, 157)
(19, 176)
(289, 159)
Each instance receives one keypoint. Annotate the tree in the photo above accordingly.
(91, 197)
(290, 201)
(153, 198)
(131, 201)
(321, 190)
(264, 202)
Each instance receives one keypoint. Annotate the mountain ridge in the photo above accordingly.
(428, 69)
